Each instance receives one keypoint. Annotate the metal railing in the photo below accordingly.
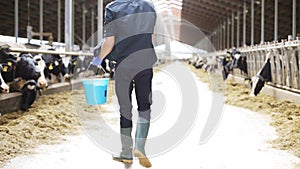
(285, 63)
(37, 51)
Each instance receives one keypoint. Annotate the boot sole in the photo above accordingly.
(123, 160)
(144, 161)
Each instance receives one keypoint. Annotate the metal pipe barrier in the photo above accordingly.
(37, 51)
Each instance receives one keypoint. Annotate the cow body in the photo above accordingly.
(234, 60)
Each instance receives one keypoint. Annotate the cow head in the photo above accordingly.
(257, 83)
(41, 65)
(262, 77)
(66, 68)
(3, 86)
(26, 69)
(9, 70)
(5, 54)
(29, 91)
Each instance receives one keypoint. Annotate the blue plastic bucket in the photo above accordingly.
(95, 90)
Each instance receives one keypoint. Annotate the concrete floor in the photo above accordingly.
(240, 141)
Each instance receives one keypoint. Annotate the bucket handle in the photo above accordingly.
(90, 66)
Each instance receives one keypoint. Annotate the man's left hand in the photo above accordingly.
(96, 61)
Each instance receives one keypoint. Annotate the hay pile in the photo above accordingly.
(285, 115)
(46, 122)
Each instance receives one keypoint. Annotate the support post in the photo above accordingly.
(262, 21)
(232, 30)
(16, 19)
(224, 34)
(59, 21)
(244, 24)
(73, 22)
(276, 21)
(41, 20)
(221, 37)
(252, 22)
(100, 20)
(68, 24)
(83, 23)
(93, 27)
(238, 30)
(294, 19)
(228, 33)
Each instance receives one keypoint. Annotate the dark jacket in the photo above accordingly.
(132, 23)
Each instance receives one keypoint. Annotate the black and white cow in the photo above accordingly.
(29, 78)
(26, 67)
(23, 67)
(78, 64)
(4, 88)
(20, 73)
(52, 65)
(262, 77)
(57, 67)
(109, 67)
(234, 60)
(75, 66)
(29, 93)
(9, 70)
(199, 63)
(41, 65)
(66, 67)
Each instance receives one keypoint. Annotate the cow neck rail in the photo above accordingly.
(293, 45)
(49, 52)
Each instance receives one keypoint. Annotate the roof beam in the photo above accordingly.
(222, 5)
(199, 16)
(203, 10)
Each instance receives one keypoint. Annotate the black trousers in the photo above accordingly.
(126, 80)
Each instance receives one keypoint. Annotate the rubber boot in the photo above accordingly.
(140, 140)
(126, 140)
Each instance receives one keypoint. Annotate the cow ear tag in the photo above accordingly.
(5, 69)
(75, 63)
(9, 63)
(51, 67)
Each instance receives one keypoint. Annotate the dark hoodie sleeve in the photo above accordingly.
(109, 23)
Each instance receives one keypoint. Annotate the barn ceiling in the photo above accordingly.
(210, 14)
(205, 14)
